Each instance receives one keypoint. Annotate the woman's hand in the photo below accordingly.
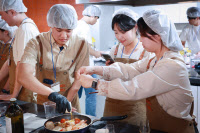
(85, 70)
(86, 80)
(74, 110)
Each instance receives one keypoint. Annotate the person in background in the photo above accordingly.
(6, 34)
(57, 55)
(14, 13)
(162, 79)
(90, 16)
(129, 50)
(191, 32)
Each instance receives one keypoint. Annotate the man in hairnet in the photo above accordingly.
(57, 55)
(191, 32)
(14, 13)
(6, 34)
(90, 16)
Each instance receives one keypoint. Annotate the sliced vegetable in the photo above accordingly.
(77, 120)
(62, 121)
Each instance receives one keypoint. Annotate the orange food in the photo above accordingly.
(62, 120)
(67, 125)
(77, 120)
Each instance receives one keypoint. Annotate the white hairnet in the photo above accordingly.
(10, 29)
(159, 22)
(62, 16)
(193, 12)
(128, 12)
(16, 5)
(92, 11)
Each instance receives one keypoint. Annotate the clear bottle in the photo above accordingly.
(14, 118)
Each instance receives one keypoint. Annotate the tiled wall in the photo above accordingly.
(37, 10)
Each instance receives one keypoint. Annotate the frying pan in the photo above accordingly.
(81, 117)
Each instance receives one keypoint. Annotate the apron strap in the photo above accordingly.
(148, 65)
(192, 109)
(142, 55)
(41, 49)
(116, 50)
(191, 114)
(79, 51)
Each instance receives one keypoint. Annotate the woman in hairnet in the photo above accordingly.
(57, 54)
(162, 79)
(6, 34)
(191, 32)
(129, 50)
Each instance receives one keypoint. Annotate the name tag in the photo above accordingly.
(56, 86)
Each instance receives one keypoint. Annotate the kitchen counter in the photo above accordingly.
(39, 111)
(194, 77)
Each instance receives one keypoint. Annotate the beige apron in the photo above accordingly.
(162, 121)
(61, 76)
(3, 58)
(136, 110)
(24, 94)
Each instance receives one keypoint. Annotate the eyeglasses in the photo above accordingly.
(191, 18)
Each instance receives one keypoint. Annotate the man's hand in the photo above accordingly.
(61, 102)
(6, 97)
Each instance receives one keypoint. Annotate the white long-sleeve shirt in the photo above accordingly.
(167, 80)
(83, 30)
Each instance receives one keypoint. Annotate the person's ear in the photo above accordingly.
(12, 12)
(157, 37)
(136, 27)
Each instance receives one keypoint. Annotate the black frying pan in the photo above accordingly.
(81, 117)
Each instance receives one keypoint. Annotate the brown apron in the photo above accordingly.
(136, 110)
(24, 94)
(4, 53)
(62, 76)
(160, 120)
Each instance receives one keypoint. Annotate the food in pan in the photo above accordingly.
(66, 125)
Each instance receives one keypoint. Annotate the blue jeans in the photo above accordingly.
(91, 99)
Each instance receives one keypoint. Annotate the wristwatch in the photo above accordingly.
(94, 83)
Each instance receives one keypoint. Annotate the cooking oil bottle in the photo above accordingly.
(14, 118)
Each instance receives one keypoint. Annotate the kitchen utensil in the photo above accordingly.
(82, 117)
